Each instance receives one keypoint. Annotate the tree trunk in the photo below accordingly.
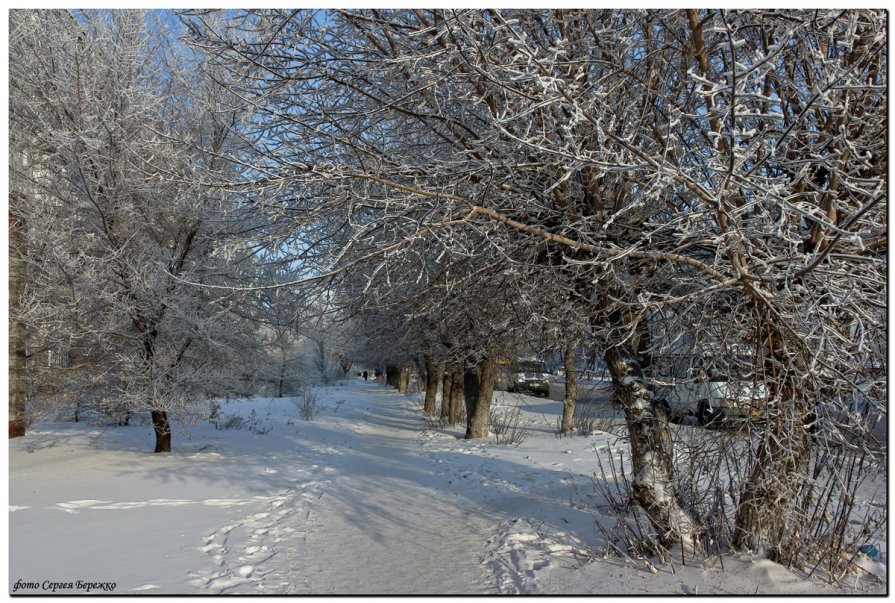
(470, 389)
(447, 383)
(571, 397)
(433, 376)
(17, 331)
(651, 450)
(345, 365)
(162, 431)
(764, 522)
(321, 362)
(391, 375)
(282, 378)
(479, 418)
(764, 518)
(457, 394)
(404, 379)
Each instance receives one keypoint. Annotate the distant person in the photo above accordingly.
(366, 375)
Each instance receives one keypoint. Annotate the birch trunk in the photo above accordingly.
(651, 450)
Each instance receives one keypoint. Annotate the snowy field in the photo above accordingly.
(366, 498)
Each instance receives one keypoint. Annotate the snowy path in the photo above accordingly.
(354, 522)
(366, 498)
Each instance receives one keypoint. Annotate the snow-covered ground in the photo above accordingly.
(366, 498)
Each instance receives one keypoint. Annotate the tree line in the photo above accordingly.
(454, 187)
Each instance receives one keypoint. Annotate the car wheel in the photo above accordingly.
(718, 416)
(708, 415)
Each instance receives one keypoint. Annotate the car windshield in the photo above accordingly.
(531, 367)
(694, 368)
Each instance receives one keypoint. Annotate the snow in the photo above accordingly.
(367, 498)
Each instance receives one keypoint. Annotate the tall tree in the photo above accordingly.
(17, 328)
(126, 149)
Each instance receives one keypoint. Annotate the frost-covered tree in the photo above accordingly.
(793, 106)
(690, 181)
(455, 308)
(125, 140)
(416, 126)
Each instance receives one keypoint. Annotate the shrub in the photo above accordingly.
(506, 428)
(307, 405)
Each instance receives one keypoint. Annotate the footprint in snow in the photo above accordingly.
(240, 552)
(522, 548)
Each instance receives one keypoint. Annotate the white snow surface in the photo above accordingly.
(367, 498)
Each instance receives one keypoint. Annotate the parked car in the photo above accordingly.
(861, 413)
(711, 390)
(525, 376)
